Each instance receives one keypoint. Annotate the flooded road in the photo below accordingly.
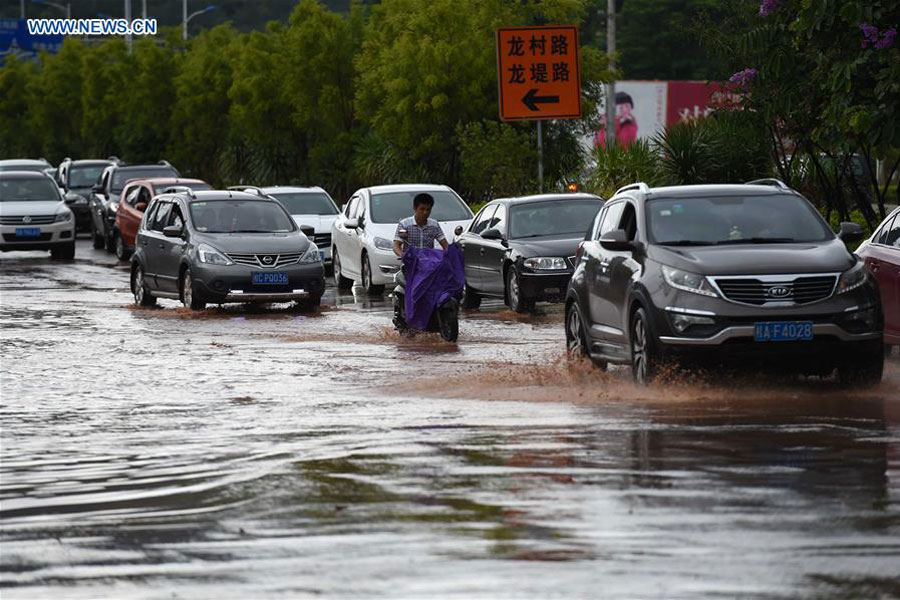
(263, 453)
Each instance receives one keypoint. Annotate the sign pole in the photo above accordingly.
(540, 149)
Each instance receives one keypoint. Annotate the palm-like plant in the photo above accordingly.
(618, 166)
(687, 154)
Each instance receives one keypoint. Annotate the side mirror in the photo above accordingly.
(850, 232)
(351, 223)
(173, 231)
(492, 234)
(308, 231)
(97, 188)
(70, 199)
(458, 230)
(140, 206)
(616, 240)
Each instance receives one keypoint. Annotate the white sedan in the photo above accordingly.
(310, 206)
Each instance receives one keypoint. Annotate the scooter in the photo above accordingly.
(444, 319)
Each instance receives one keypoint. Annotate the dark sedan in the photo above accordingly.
(747, 275)
(222, 246)
(521, 249)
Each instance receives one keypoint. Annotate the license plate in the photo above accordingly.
(551, 290)
(782, 331)
(269, 278)
(28, 231)
(322, 255)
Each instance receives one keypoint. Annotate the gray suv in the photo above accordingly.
(747, 275)
(223, 246)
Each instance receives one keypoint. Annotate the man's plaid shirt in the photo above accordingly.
(420, 237)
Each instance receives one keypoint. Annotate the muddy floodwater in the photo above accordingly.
(271, 453)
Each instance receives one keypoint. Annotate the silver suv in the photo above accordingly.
(34, 216)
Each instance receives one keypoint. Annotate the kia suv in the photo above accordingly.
(33, 215)
(748, 275)
(223, 246)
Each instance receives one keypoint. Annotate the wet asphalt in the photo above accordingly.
(272, 453)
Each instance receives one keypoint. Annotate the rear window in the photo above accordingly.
(394, 206)
(307, 203)
(240, 216)
(39, 189)
(561, 217)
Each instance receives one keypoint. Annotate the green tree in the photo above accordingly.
(107, 71)
(16, 135)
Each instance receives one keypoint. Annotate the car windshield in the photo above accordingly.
(121, 177)
(307, 203)
(689, 221)
(393, 206)
(240, 216)
(19, 190)
(552, 218)
(80, 177)
(35, 167)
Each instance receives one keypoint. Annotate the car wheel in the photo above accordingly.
(644, 358)
(122, 252)
(111, 242)
(865, 369)
(341, 282)
(514, 297)
(142, 297)
(309, 304)
(96, 237)
(371, 288)
(471, 298)
(189, 296)
(576, 337)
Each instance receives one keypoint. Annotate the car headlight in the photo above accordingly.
(547, 263)
(63, 217)
(113, 207)
(688, 282)
(383, 244)
(211, 256)
(852, 278)
(311, 255)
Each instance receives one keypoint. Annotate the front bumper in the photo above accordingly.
(384, 266)
(51, 235)
(547, 287)
(232, 283)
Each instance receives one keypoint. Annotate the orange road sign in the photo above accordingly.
(537, 73)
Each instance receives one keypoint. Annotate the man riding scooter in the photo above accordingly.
(434, 278)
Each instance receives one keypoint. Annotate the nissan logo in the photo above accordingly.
(268, 260)
(26, 219)
(778, 291)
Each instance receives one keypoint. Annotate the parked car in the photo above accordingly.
(77, 178)
(310, 206)
(881, 253)
(34, 216)
(362, 237)
(522, 249)
(223, 246)
(106, 192)
(136, 196)
(744, 274)
(24, 164)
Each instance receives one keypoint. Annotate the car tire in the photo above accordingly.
(341, 282)
(122, 253)
(471, 298)
(514, 298)
(142, 296)
(309, 304)
(371, 288)
(96, 238)
(644, 356)
(111, 242)
(190, 297)
(63, 251)
(865, 369)
(576, 338)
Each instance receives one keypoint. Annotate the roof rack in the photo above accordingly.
(114, 158)
(248, 189)
(179, 189)
(769, 181)
(165, 163)
(640, 186)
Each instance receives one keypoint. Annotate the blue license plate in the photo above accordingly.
(783, 331)
(322, 255)
(28, 231)
(269, 278)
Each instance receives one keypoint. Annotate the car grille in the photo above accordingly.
(266, 261)
(11, 237)
(781, 290)
(41, 220)
(322, 240)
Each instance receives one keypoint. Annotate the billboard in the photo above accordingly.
(15, 40)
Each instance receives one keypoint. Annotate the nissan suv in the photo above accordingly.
(223, 246)
(748, 275)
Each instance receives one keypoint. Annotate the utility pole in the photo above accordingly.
(540, 149)
(144, 9)
(22, 7)
(611, 87)
(128, 39)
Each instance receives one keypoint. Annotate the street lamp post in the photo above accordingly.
(610, 136)
(187, 17)
(66, 9)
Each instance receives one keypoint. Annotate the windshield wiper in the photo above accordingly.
(757, 240)
(686, 243)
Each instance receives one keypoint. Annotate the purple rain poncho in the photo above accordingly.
(432, 277)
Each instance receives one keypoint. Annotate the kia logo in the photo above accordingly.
(26, 219)
(778, 291)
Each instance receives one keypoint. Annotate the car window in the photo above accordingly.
(592, 233)
(149, 216)
(611, 219)
(498, 221)
(241, 216)
(131, 195)
(162, 216)
(145, 195)
(83, 176)
(40, 188)
(307, 203)
(391, 207)
(628, 221)
(881, 237)
(351, 206)
(175, 216)
(893, 236)
(122, 176)
(481, 222)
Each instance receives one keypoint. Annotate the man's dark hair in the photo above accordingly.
(623, 98)
(422, 198)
